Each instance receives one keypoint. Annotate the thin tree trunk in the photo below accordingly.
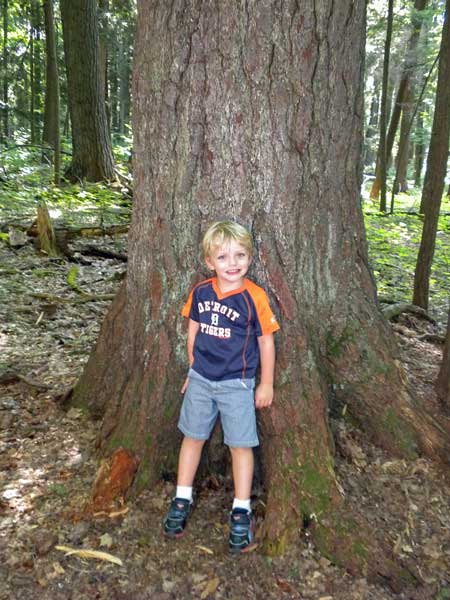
(254, 111)
(114, 83)
(103, 53)
(124, 83)
(419, 146)
(402, 92)
(32, 82)
(91, 142)
(51, 134)
(402, 162)
(382, 153)
(5, 132)
(433, 186)
(443, 380)
(372, 125)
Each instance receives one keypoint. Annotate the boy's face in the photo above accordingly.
(231, 263)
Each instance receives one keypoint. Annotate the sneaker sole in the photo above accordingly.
(173, 536)
(249, 548)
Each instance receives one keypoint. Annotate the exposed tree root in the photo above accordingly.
(394, 310)
(81, 300)
(350, 542)
(8, 377)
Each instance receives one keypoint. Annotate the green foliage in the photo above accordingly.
(393, 246)
(58, 489)
(72, 278)
(28, 180)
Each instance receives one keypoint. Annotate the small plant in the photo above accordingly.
(58, 489)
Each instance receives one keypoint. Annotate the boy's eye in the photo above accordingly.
(220, 257)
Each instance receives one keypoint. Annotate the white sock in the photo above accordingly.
(245, 504)
(184, 491)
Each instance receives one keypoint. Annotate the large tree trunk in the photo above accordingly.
(50, 134)
(91, 143)
(433, 185)
(255, 113)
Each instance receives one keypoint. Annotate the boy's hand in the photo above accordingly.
(263, 395)
(185, 384)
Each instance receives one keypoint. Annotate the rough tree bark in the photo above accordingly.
(91, 143)
(50, 133)
(443, 380)
(254, 112)
(434, 181)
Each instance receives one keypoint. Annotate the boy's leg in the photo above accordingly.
(241, 522)
(242, 465)
(188, 461)
(177, 515)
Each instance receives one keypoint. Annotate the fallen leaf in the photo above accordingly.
(90, 554)
(106, 540)
(210, 588)
(285, 586)
(205, 549)
(58, 568)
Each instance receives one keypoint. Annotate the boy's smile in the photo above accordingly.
(231, 263)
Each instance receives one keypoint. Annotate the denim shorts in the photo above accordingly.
(233, 399)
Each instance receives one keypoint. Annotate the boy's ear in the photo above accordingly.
(209, 264)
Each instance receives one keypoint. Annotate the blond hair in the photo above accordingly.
(222, 232)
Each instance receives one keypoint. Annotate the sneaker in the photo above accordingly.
(241, 531)
(176, 518)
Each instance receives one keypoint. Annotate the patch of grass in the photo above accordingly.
(58, 489)
(394, 244)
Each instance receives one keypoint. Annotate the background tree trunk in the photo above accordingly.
(5, 111)
(382, 162)
(255, 113)
(443, 380)
(92, 154)
(419, 146)
(433, 186)
(403, 145)
(32, 77)
(103, 6)
(50, 134)
(402, 93)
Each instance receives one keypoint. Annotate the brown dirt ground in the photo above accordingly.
(48, 464)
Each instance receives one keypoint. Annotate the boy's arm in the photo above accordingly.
(193, 327)
(264, 391)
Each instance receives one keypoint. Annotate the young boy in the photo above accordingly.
(230, 331)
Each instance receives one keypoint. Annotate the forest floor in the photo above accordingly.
(48, 463)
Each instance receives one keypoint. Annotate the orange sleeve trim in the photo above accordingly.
(185, 311)
(266, 318)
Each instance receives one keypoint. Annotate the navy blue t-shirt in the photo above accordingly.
(226, 345)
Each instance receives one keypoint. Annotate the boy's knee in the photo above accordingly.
(240, 451)
(193, 441)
